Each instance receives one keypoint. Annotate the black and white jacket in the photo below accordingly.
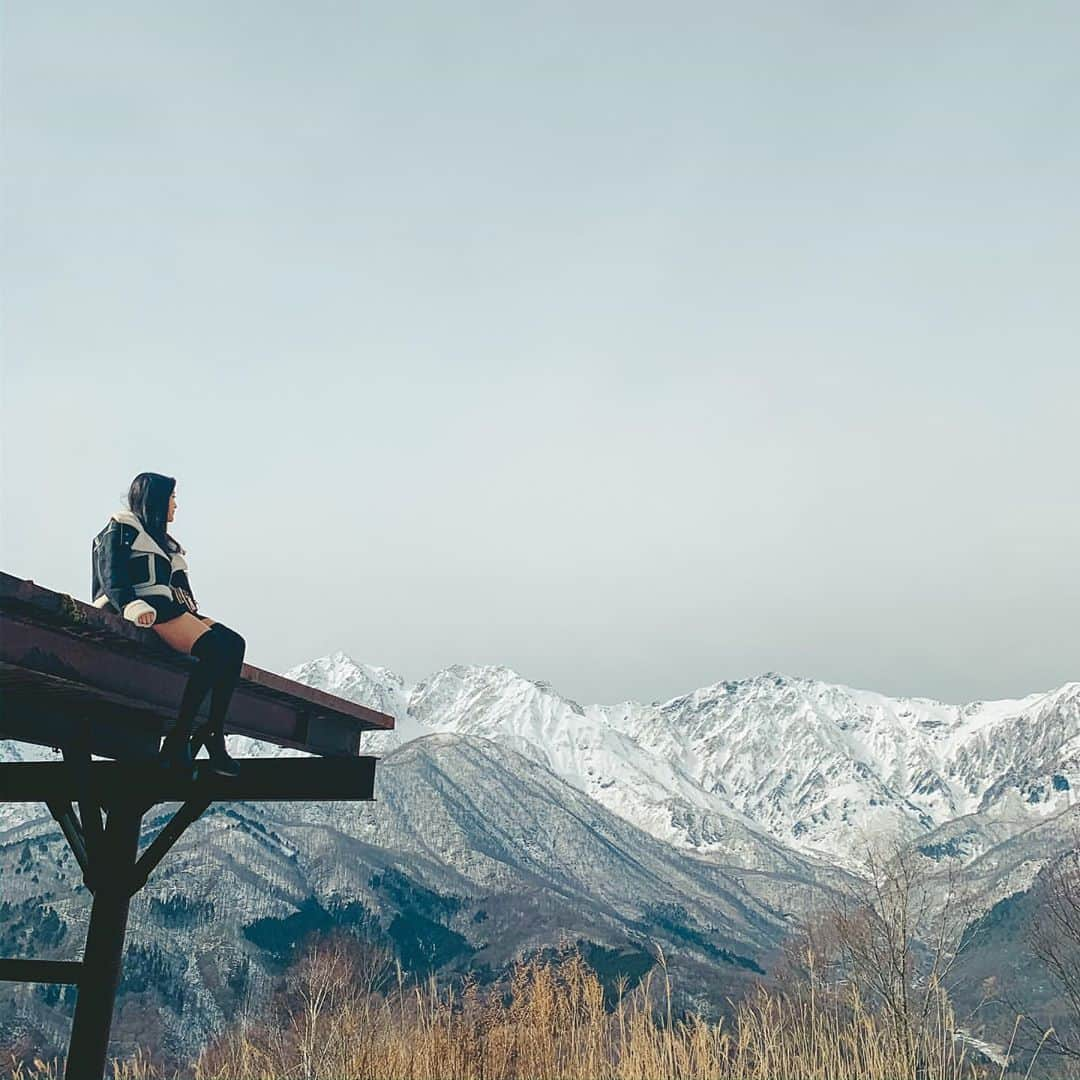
(130, 571)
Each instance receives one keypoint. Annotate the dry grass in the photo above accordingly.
(347, 1015)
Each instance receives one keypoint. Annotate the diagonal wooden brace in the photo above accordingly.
(64, 812)
(170, 833)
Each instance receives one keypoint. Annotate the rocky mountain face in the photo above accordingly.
(508, 816)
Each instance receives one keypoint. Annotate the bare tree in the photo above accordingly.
(335, 977)
(891, 936)
(1055, 939)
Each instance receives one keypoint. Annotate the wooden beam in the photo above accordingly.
(41, 971)
(315, 779)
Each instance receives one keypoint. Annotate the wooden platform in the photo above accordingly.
(74, 674)
(90, 683)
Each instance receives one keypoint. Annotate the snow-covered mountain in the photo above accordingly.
(825, 767)
(592, 755)
(747, 771)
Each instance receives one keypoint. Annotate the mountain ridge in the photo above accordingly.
(813, 766)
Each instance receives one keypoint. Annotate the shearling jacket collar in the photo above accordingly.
(145, 542)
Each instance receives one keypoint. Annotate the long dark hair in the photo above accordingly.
(148, 498)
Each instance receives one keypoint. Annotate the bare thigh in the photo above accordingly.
(183, 631)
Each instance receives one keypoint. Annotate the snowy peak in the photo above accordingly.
(493, 701)
(819, 763)
(378, 688)
(339, 674)
(748, 769)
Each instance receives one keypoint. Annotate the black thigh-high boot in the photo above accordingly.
(220, 697)
(213, 651)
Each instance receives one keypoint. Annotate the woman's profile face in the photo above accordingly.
(172, 506)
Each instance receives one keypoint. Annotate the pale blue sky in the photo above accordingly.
(632, 346)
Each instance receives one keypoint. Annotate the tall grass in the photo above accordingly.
(340, 1020)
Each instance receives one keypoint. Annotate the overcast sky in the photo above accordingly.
(634, 347)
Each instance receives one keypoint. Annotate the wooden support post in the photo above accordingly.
(104, 943)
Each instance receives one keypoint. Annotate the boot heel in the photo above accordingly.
(220, 762)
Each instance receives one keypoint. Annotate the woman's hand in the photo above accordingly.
(146, 618)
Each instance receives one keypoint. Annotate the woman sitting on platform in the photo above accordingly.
(139, 571)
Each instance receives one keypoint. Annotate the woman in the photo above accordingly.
(139, 571)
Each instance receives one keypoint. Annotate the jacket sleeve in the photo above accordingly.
(112, 555)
